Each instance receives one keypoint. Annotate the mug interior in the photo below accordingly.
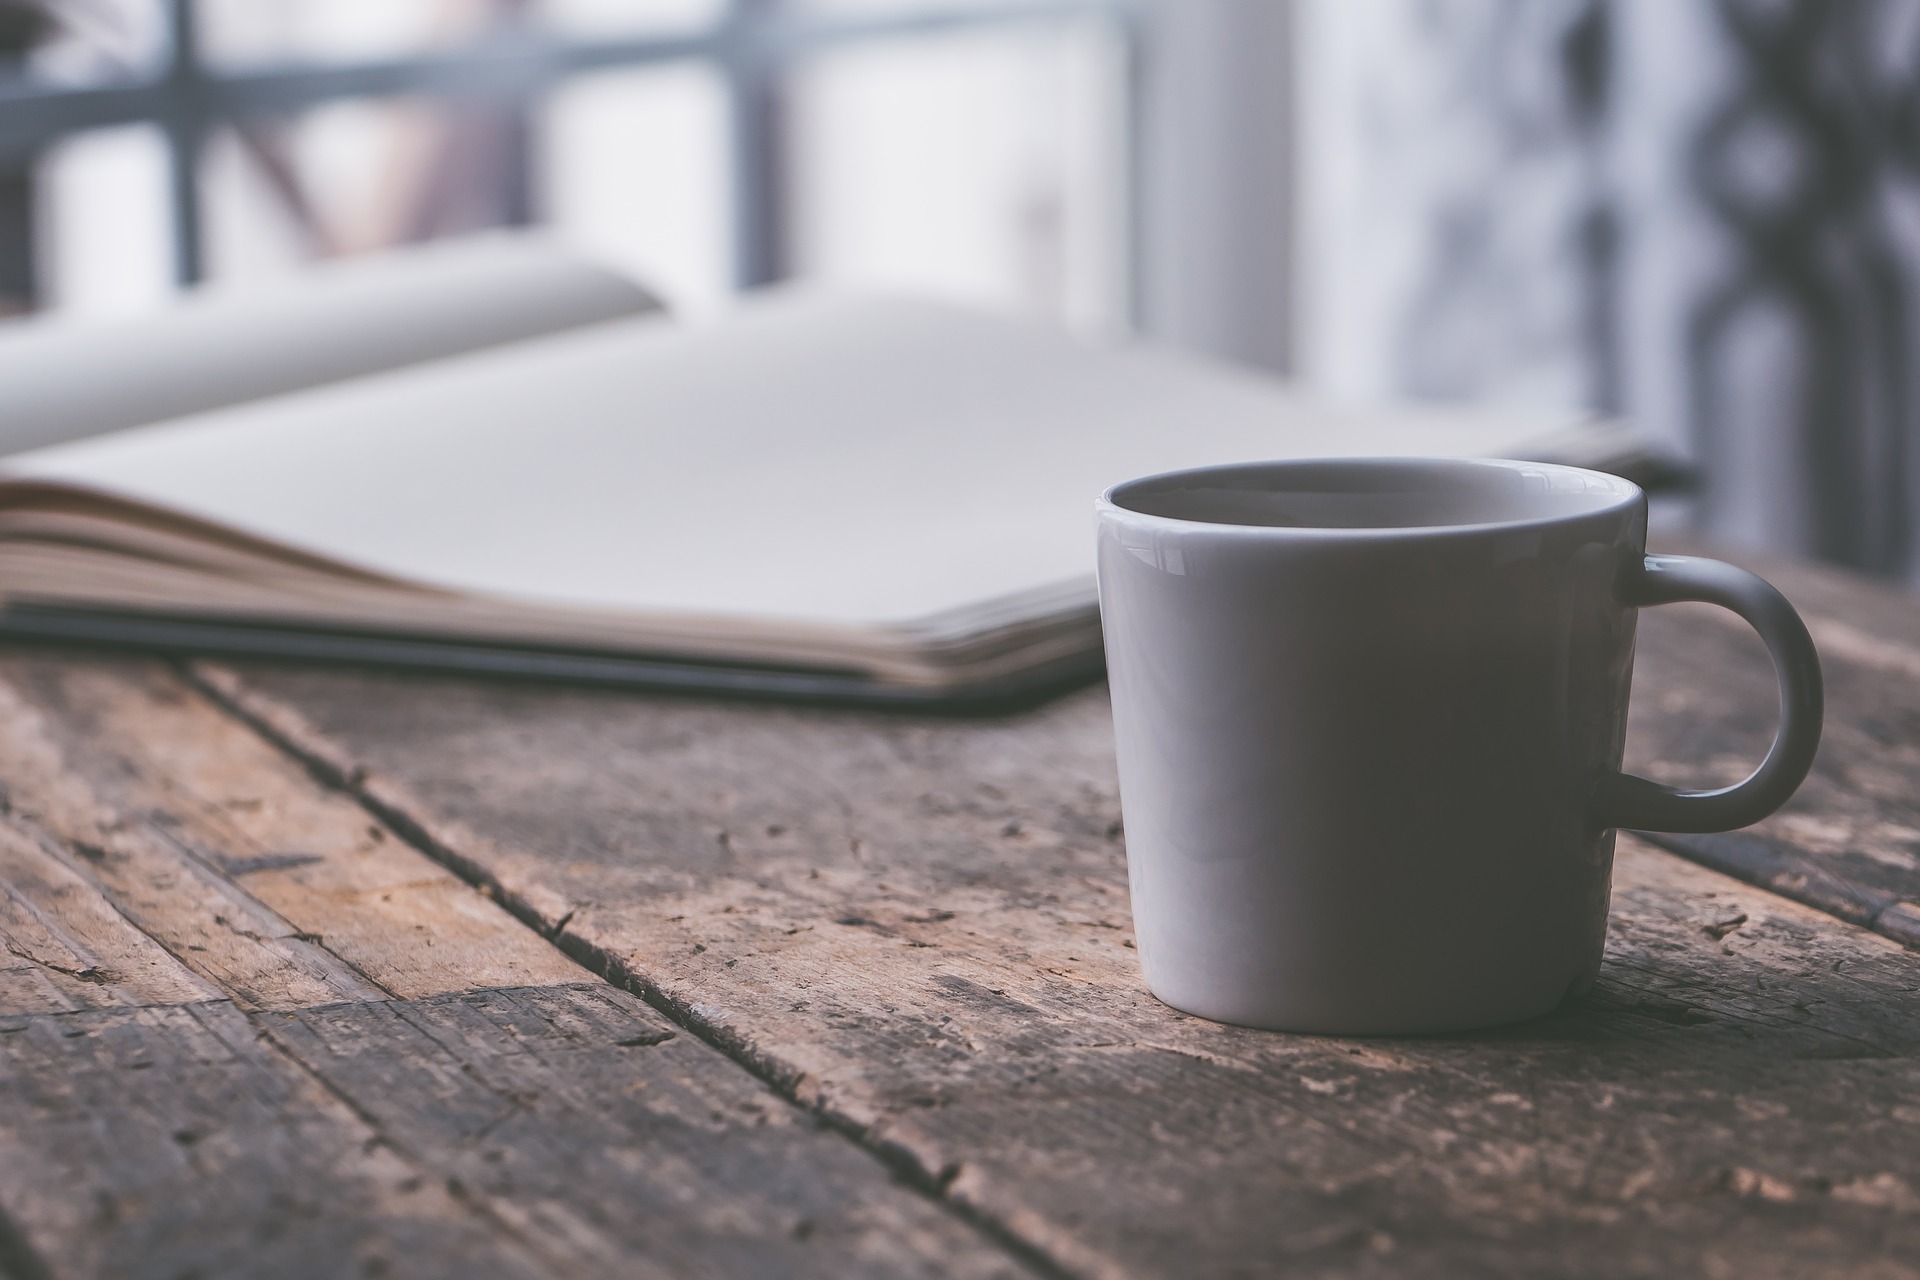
(1374, 493)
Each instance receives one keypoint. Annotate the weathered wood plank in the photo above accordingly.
(534, 1130)
(620, 1147)
(63, 946)
(921, 928)
(228, 854)
(1704, 711)
(560, 1130)
(167, 1142)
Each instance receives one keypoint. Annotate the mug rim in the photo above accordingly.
(1111, 505)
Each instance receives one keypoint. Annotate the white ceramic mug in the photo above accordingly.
(1370, 716)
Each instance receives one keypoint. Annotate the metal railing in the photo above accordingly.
(751, 45)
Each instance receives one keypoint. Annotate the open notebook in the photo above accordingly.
(853, 498)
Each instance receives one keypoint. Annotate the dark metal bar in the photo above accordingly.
(757, 137)
(186, 130)
(16, 240)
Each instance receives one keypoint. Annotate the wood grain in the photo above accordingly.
(535, 1131)
(619, 1147)
(166, 1142)
(64, 947)
(921, 929)
(201, 1073)
(132, 799)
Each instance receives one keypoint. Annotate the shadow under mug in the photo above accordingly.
(1370, 716)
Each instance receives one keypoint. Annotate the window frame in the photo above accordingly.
(752, 46)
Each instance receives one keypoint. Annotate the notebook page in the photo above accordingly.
(66, 379)
(840, 461)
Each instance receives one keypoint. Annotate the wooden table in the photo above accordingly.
(322, 973)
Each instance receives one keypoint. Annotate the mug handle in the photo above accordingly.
(1622, 800)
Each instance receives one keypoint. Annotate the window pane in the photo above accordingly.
(628, 17)
(86, 43)
(889, 7)
(355, 176)
(102, 226)
(633, 168)
(254, 33)
(979, 166)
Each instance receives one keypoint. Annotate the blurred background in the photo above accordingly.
(1699, 215)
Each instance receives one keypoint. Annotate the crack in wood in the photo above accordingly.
(268, 862)
(92, 973)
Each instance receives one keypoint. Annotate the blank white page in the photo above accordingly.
(852, 461)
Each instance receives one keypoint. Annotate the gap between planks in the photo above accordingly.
(288, 731)
(183, 801)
